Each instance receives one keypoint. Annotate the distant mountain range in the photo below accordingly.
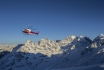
(73, 51)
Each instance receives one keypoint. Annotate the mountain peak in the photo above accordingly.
(101, 34)
(98, 41)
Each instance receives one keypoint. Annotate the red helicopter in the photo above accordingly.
(29, 31)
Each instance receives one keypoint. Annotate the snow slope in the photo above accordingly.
(90, 67)
(73, 51)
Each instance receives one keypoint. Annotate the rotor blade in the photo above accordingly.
(34, 29)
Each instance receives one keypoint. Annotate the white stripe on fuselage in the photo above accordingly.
(30, 33)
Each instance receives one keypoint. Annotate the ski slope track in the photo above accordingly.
(72, 53)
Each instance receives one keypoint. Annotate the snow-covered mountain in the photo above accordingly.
(73, 51)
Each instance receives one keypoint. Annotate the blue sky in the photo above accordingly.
(54, 19)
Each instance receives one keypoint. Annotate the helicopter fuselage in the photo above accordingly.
(29, 31)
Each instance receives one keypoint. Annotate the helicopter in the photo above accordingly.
(29, 31)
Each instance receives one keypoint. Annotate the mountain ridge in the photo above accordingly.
(73, 51)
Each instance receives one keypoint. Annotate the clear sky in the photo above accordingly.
(54, 19)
